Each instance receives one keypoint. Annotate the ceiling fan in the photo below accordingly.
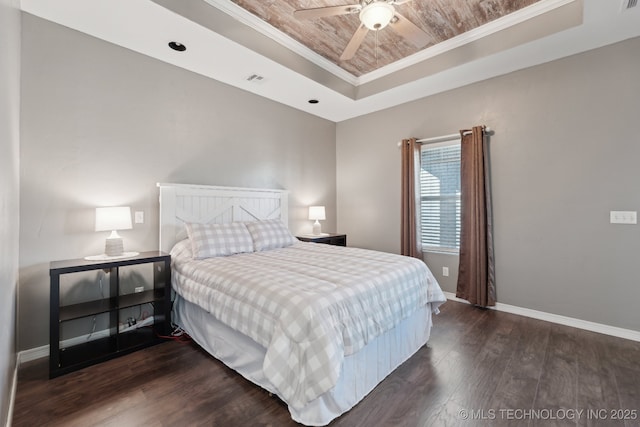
(374, 15)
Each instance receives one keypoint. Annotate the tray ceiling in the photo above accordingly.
(228, 43)
(328, 36)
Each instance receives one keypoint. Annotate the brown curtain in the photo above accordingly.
(476, 277)
(409, 242)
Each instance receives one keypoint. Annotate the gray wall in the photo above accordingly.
(9, 192)
(565, 152)
(102, 124)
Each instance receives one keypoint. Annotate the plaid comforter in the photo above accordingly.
(309, 304)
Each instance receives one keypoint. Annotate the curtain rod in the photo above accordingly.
(443, 138)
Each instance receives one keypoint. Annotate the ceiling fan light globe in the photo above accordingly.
(377, 15)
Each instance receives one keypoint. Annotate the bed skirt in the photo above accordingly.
(360, 372)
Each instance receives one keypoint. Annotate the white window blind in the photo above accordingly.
(440, 196)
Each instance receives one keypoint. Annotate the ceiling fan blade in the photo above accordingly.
(354, 43)
(410, 31)
(321, 12)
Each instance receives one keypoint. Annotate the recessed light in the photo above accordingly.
(313, 101)
(177, 46)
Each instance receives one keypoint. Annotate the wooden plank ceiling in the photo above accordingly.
(440, 19)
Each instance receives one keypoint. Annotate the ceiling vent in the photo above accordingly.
(255, 78)
(629, 4)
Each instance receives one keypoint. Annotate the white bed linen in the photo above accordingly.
(360, 372)
(306, 305)
(324, 331)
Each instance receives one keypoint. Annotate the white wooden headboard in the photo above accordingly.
(180, 203)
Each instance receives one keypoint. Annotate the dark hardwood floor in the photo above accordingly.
(481, 367)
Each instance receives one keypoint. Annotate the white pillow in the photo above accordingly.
(211, 240)
(270, 234)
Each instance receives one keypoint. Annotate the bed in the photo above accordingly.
(293, 317)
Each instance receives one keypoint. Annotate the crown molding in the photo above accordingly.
(263, 27)
(478, 33)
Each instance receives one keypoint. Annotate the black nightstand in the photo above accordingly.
(331, 239)
(104, 309)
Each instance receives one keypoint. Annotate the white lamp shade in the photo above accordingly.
(316, 212)
(377, 15)
(113, 218)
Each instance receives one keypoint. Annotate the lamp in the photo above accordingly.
(113, 219)
(377, 15)
(316, 213)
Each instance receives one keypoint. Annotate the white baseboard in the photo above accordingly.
(40, 352)
(12, 396)
(33, 354)
(561, 320)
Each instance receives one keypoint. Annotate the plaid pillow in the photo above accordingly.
(211, 240)
(270, 234)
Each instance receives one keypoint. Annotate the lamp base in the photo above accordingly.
(113, 246)
(317, 228)
(113, 249)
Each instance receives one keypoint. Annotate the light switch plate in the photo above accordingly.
(139, 217)
(623, 217)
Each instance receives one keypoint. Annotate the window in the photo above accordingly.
(440, 196)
